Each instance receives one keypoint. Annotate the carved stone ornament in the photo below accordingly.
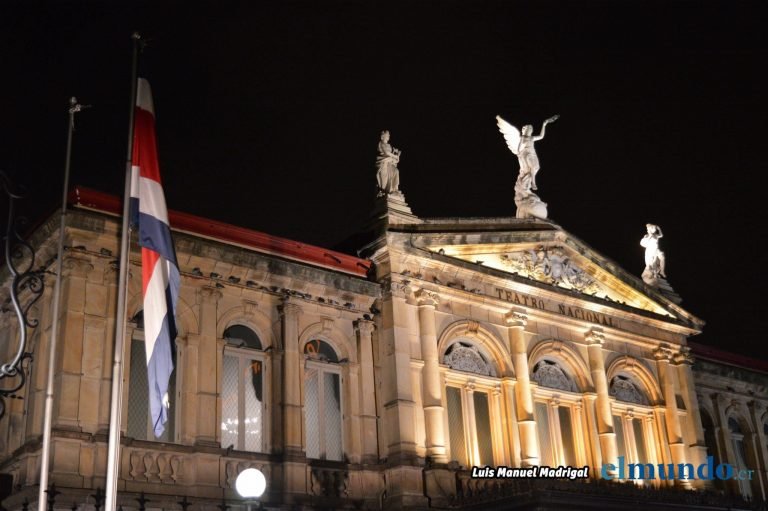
(550, 265)
(549, 374)
(467, 358)
(623, 389)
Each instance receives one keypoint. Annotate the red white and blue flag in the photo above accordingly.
(160, 271)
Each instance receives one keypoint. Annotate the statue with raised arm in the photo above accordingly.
(654, 257)
(387, 173)
(522, 145)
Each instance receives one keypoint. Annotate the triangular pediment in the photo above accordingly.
(555, 265)
(550, 257)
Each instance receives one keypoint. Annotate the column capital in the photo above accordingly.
(289, 307)
(684, 356)
(425, 297)
(595, 337)
(210, 293)
(363, 326)
(662, 353)
(516, 318)
(77, 266)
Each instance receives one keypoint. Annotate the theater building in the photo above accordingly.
(377, 381)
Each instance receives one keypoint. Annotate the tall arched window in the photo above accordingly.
(243, 424)
(557, 410)
(739, 454)
(140, 424)
(473, 415)
(633, 421)
(710, 440)
(322, 401)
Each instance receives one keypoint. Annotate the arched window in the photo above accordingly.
(739, 454)
(139, 421)
(322, 401)
(557, 415)
(469, 404)
(710, 440)
(243, 424)
(633, 421)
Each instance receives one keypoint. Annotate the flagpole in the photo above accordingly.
(113, 455)
(42, 501)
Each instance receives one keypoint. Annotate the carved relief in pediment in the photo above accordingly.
(550, 265)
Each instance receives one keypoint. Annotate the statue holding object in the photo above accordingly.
(387, 173)
(522, 145)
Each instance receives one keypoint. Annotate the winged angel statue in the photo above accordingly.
(522, 145)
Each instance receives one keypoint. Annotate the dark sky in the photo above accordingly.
(268, 117)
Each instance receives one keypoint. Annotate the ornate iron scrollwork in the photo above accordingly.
(26, 288)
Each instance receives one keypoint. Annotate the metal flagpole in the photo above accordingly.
(42, 500)
(113, 455)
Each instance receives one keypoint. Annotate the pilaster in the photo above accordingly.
(529, 446)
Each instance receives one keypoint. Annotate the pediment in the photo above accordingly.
(560, 262)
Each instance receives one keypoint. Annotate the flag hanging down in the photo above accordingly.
(160, 271)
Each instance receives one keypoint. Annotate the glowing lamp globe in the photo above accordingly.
(251, 483)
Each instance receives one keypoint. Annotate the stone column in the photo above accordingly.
(501, 451)
(208, 355)
(603, 415)
(596, 454)
(756, 445)
(581, 443)
(433, 391)
(368, 395)
(697, 450)
(509, 420)
(663, 356)
(292, 421)
(529, 445)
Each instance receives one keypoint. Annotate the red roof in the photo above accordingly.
(709, 353)
(227, 233)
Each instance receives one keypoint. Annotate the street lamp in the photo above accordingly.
(250, 484)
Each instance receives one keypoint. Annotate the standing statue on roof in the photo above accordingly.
(522, 145)
(654, 257)
(387, 173)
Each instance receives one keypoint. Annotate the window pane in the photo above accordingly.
(566, 435)
(138, 394)
(483, 428)
(332, 406)
(456, 425)
(229, 405)
(618, 427)
(642, 453)
(253, 406)
(542, 427)
(312, 413)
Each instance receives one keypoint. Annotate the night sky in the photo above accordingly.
(268, 117)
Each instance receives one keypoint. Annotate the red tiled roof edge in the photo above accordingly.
(220, 231)
(716, 355)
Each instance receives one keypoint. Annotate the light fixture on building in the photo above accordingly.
(250, 484)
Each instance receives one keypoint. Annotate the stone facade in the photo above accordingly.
(374, 382)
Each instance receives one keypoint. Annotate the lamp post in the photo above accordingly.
(250, 484)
